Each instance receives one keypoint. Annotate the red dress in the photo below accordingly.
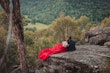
(45, 53)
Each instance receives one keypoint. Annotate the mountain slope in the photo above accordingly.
(45, 11)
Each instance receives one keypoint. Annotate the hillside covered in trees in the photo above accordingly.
(66, 18)
(45, 11)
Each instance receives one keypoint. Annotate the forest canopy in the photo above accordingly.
(45, 11)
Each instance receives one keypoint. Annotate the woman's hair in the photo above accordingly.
(65, 44)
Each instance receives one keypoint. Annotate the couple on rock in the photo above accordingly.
(68, 45)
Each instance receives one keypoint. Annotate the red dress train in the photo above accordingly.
(45, 53)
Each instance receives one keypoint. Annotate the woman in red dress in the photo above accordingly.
(58, 48)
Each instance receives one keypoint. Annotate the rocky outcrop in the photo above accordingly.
(86, 59)
(107, 44)
(98, 36)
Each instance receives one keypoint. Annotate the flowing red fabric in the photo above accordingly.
(45, 53)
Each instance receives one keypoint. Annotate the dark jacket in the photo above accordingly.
(71, 45)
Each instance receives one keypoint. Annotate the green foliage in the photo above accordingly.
(24, 20)
(3, 20)
(12, 54)
(63, 27)
(45, 11)
(2, 40)
(66, 26)
(105, 22)
(28, 38)
(83, 20)
(31, 29)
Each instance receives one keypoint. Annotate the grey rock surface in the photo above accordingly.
(86, 59)
(107, 44)
(98, 36)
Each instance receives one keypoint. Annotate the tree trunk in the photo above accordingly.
(17, 31)
(18, 35)
(5, 6)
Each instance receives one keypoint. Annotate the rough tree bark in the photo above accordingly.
(17, 31)
(18, 35)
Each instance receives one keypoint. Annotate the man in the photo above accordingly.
(71, 44)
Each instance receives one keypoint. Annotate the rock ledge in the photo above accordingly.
(86, 59)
